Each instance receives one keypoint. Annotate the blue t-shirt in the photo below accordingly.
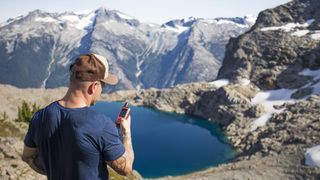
(74, 143)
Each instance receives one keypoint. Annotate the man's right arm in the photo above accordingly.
(30, 156)
(30, 151)
(123, 165)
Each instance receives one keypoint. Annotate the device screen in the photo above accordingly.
(123, 113)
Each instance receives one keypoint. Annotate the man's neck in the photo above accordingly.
(74, 99)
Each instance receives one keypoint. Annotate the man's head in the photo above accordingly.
(88, 72)
(92, 67)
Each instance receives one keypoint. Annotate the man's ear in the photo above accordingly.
(92, 88)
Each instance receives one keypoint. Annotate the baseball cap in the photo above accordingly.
(92, 67)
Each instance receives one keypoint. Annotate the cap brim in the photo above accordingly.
(111, 79)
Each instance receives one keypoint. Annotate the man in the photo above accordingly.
(67, 140)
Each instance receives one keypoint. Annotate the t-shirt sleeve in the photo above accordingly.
(29, 138)
(112, 146)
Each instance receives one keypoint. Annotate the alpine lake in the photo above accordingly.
(169, 144)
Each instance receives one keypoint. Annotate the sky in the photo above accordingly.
(156, 11)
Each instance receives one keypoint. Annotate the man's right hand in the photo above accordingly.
(125, 125)
(123, 165)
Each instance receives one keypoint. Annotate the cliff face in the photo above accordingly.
(283, 42)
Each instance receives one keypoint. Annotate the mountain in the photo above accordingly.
(37, 49)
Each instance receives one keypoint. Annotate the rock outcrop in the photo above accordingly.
(274, 51)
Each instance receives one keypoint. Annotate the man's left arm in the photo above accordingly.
(30, 156)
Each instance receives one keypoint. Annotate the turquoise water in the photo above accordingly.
(167, 144)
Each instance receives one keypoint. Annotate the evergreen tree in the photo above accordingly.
(25, 112)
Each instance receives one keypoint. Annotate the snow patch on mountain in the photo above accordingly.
(245, 22)
(11, 20)
(46, 19)
(315, 35)
(268, 99)
(245, 82)
(139, 84)
(250, 19)
(124, 16)
(308, 72)
(188, 20)
(289, 27)
(10, 46)
(179, 25)
(315, 84)
(178, 29)
(64, 62)
(81, 12)
(295, 27)
(312, 156)
(220, 82)
(224, 21)
(152, 24)
(49, 69)
(300, 33)
(78, 21)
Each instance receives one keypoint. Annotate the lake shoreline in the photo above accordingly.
(261, 153)
(273, 158)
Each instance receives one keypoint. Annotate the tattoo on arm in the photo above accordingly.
(123, 165)
(119, 165)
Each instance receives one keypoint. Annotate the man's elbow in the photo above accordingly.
(24, 159)
(127, 171)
